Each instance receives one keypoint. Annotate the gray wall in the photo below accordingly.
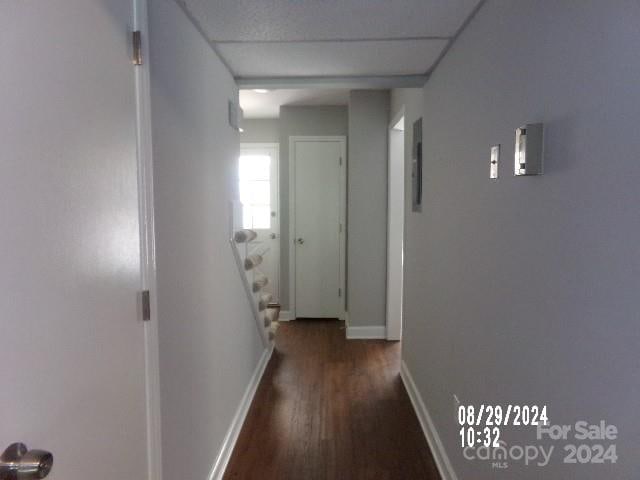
(209, 345)
(330, 120)
(367, 207)
(526, 289)
(258, 130)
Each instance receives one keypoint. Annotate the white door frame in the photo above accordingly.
(394, 323)
(147, 242)
(276, 179)
(292, 217)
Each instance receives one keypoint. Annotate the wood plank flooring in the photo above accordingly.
(328, 408)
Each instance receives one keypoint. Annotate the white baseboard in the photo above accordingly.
(366, 333)
(230, 439)
(433, 439)
(287, 316)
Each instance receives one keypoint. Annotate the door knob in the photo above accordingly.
(272, 236)
(19, 463)
(300, 241)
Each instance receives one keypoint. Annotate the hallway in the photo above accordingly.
(328, 408)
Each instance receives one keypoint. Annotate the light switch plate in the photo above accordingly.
(495, 161)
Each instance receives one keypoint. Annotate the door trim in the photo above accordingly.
(147, 242)
(394, 324)
(292, 218)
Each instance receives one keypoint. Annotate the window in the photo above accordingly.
(255, 191)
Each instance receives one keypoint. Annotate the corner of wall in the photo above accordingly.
(367, 211)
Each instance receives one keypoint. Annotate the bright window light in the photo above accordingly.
(255, 191)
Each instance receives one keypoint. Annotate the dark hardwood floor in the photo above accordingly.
(328, 408)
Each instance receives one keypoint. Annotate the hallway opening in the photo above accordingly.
(329, 408)
(154, 267)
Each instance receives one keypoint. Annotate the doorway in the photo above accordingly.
(317, 204)
(259, 195)
(395, 228)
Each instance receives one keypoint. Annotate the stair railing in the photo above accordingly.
(253, 280)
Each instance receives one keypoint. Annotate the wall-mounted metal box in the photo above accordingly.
(529, 154)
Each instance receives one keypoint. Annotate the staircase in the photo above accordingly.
(248, 259)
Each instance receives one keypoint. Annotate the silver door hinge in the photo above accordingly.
(340, 161)
(339, 292)
(340, 228)
(146, 305)
(136, 40)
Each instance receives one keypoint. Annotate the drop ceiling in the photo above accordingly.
(329, 38)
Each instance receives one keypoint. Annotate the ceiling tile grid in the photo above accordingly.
(303, 38)
(297, 20)
(402, 57)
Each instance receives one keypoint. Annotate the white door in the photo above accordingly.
(72, 361)
(259, 197)
(317, 232)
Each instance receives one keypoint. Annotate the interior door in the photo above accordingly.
(318, 232)
(72, 360)
(259, 197)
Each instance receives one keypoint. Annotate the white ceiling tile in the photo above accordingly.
(243, 20)
(406, 57)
